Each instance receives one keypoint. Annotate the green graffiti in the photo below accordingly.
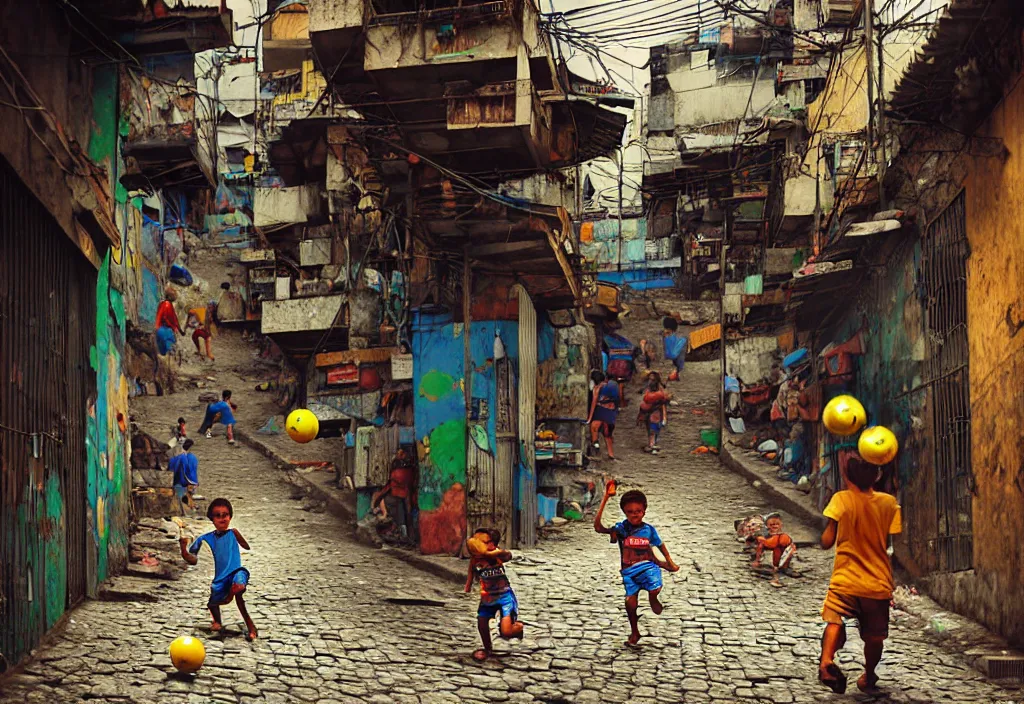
(107, 486)
(103, 133)
(436, 385)
(445, 465)
(54, 535)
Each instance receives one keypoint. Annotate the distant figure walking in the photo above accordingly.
(604, 410)
(167, 325)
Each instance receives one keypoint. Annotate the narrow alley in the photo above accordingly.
(342, 622)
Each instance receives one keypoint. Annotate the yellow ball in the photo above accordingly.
(187, 654)
(878, 445)
(844, 415)
(302, 425)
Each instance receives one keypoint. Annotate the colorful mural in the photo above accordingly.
(108, 483)
(440, 416)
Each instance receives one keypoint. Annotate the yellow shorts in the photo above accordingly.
(872, 614)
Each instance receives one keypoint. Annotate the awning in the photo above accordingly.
(877, 227)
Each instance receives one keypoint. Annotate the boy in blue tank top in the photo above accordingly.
(230, 579)
(496, 596)
(641, 568)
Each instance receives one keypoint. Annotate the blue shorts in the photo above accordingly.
(505, 604)
(646, 576)
(165, 340)
(220, 593)
(654, 428)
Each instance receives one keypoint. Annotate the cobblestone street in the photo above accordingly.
(330, 634)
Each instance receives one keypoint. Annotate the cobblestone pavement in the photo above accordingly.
(330, 634)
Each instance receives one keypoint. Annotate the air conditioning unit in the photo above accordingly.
(837, 12)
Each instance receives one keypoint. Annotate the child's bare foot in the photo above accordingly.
(252, 635)
(656, 606)
(215, 627)
(832, 677)
(633, 640)
(867, 683)
(775, 582)
(480, 655)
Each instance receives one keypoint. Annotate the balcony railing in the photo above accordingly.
(388, 13)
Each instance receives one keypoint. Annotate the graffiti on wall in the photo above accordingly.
(562, 371)
(107, 483)
(440, 415)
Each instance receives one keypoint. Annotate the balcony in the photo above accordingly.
(298, 325)
(162, 146)
(507, 235)
(286, 42)
(470, 86)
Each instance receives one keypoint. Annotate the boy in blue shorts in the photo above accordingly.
(230, 579)
(186, 476)
(496, 595)
(641, 568)
(221, 412)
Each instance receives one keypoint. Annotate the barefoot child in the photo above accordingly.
(230, 579)
(496, 595)
(860, 521)
(641, 569)
(779, 543)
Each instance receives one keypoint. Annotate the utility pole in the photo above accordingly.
(726, 238)
(869, 54)
(622, 158)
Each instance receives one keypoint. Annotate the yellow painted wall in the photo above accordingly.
(995, 298)
(313, 85)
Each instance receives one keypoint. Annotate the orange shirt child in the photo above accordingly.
(865, 521)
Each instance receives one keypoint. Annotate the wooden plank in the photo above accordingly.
(368, 356)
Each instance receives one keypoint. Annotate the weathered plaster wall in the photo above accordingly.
(108, 479)
(994, 593)
(41, 45)
(750, 359)
(562, 370)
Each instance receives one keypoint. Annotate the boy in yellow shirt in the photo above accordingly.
(860, 521)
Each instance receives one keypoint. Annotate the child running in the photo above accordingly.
(230, 579)
(860, 521)
(641, 569)
(496, 595)
(652, 410)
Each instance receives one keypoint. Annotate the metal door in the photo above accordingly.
(489, 470)
(527, 481)
(944, 264)
(47, 327)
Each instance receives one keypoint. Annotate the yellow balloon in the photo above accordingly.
(302, 425)
(187, 654)
(878, 445)
(844, 415)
